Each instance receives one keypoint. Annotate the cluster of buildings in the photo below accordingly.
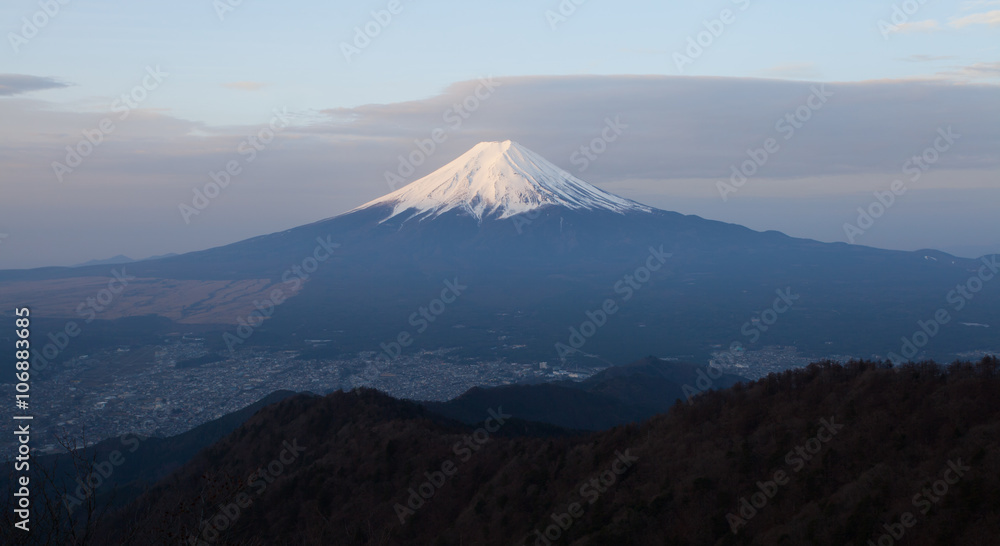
(143, 390)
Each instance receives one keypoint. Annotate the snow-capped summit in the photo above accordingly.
(499, 180)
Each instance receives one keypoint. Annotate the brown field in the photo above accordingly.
(185, 301)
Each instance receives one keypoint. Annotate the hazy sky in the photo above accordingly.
(199, 76)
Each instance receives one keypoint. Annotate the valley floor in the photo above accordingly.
(142, 390)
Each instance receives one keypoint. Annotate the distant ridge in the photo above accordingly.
(114, 260)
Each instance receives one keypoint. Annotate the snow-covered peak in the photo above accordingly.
(499, 179)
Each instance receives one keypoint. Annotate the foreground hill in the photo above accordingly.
(825, 455)
(114, 471)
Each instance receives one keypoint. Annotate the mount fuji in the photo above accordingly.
(499, 180)
(543, 257)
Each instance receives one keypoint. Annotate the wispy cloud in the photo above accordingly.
(16, 84)
(991, 18)
(707, 119)
(245, 86)
(929, 25)
(804, 71)
(975, 4)
(928, 58)
(978, 71)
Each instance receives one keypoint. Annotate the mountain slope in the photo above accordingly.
(538, 250)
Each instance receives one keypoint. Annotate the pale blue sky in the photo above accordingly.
(895, 87)
(293, 47)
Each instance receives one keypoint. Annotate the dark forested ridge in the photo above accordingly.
(838, 454)
(829, 454)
